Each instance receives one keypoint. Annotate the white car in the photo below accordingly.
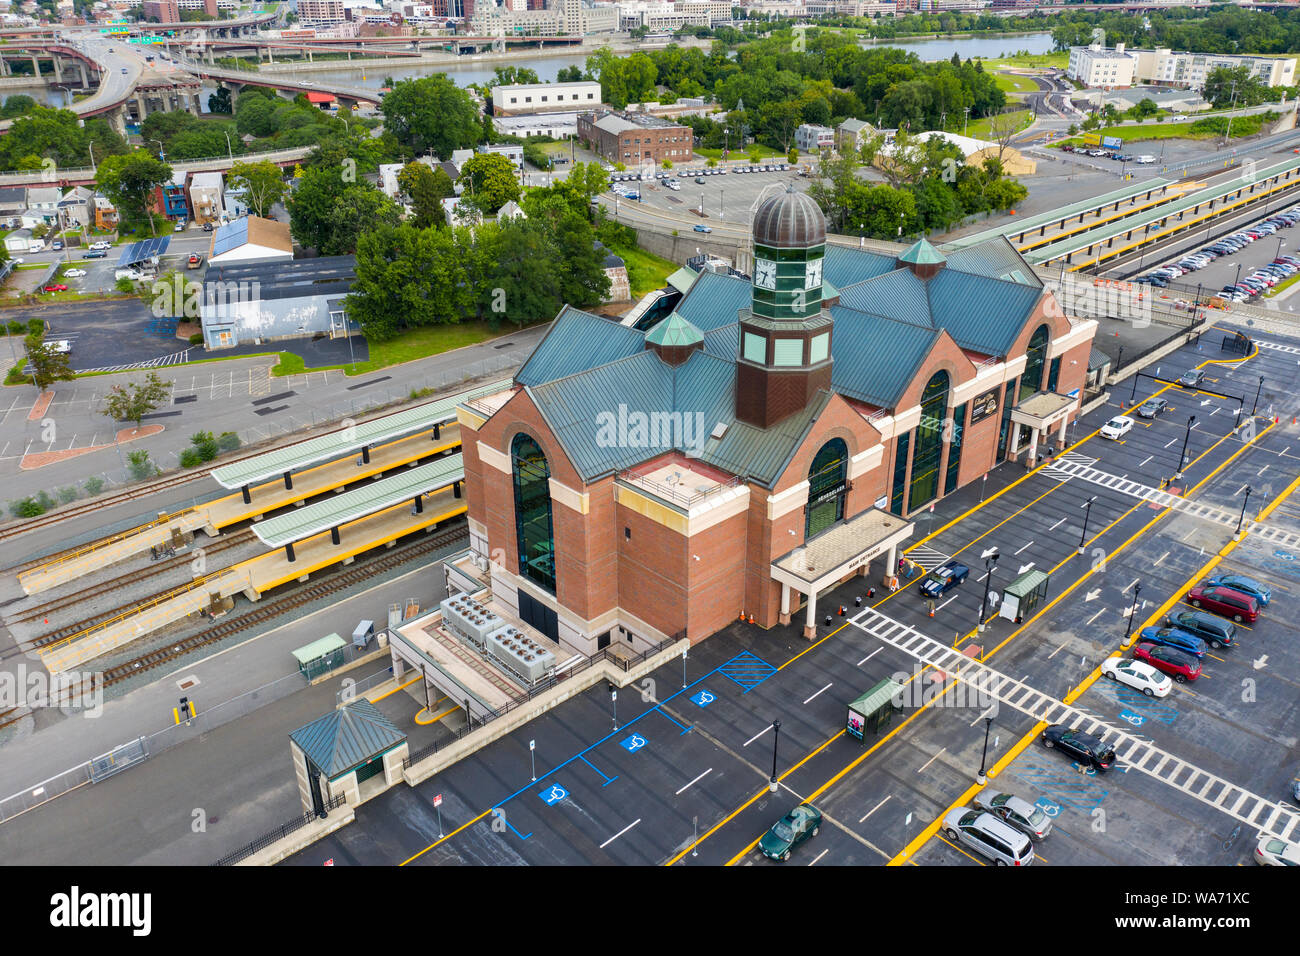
(1138, 675)
(1274, 852)
(1145, 159)
(74, 273)
(1117, 427)
(102, 244)
(61, 345)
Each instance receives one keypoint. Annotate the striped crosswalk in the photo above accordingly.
(1278, 347)
(175, 358)
(927, 558)
(1059, 469)
(1271, 818)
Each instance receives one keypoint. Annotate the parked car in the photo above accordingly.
(1231, 603)
(97, 254)
(61, 345)
(1295, 789)
(699, 180)
(947, 575)
(73, 273)
(792, 829)
(989, 837)
(54, 287)
(700, 227)
(179, 227)
(207, 227)
(131, 274)
(1177, 664)
(1144, 159)
(1152, 407)
(101, 244)
(1138, 675)
(1192, 377)
(1239, 582)
(1270, 851)
(1082, 747)
(1215, 631)
(1117, 427)
(1173, 637)
(1012, 810)
(195, 260)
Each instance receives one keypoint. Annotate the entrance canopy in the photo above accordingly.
(1042, 410)
(840, 550)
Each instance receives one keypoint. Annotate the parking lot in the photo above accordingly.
(695, 759)
(727, 197)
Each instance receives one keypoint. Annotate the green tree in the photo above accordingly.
(263, 183)
(134, 400)
(490, 182)
(792, 157)
(129, 181)
(17, 105)
(328, 214)
(511, 75)
(219, 102)
(431, 114)
(425, 188)
(46, 364)
(407, 277)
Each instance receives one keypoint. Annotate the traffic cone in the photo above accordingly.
(932, 610)
(871, 592)
(751, 619)
(841, 610)
(742, 615)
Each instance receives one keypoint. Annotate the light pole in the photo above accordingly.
(1242, 519)
(1257, 393)
(91, 147)
(1182, 459)
(990, 565)
(162, 157)
(965, 125)
(776, 735)
(613, 703)
(1087, 511)
(1238, 279)
(1132, 612)
(1280, 245)
(230, 153)
(982, 778)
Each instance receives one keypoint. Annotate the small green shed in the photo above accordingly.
(873, 710)
(320, 656)
(1023, 595)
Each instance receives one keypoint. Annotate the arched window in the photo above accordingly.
(1036, 358)
(928, 445)
(827, 486)
(533, 524)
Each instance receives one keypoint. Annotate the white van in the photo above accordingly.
(131, 274)
(989, 837)
(1145, 159)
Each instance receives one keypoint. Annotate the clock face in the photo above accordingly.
(765, 273)
(812, 274)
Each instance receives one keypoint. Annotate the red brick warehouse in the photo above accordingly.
(767, 439)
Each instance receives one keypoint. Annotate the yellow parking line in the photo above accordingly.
(960, 850)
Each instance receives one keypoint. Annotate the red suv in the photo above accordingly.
(1178, 665)
(1225, 601)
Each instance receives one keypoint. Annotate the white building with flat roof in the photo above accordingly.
(525, 98)
(1097, 67)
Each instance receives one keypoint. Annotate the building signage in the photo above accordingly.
(984, 406)
(828, 494)
(1112, 142)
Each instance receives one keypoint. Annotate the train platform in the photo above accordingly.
(352, 528)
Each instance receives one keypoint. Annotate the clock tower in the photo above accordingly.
(784, 358)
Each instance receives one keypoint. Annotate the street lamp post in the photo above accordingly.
(1238, 279)
(1241, 520)
(1280, 246)
(1132, 613)
(1257, 393)
(776, 735)
(613, 703)
(1182, 458)
(982, 778)
(230, 153)
(990, 564)
(1087, 511)
(91, 147)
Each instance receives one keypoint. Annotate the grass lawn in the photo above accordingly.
(765, 152)
(411, 344)
(645, 271)
(979, 129)
(1285, 283)
(1010, 83)
(1037, 61)
(1148, 131)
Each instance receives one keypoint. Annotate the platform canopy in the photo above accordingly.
(143, 251)
(352, 505)
(345, 441)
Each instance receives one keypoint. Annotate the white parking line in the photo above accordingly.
(1063, 646)
(1148, 458)
(860, 663)
(695, 781)
(757, 735)
(1171, 441)
(1159, 559)
(946, 603)
(1126, 590)
(876, 807)
(1097, 615)
(620, 833)
(819, 856)
(1055, 526)
(1025, 545)
(823, 690)
(932, 760)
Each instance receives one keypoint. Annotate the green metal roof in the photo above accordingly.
(576, 342)
(346, 738)
(1019, 225)
(873, 700)
(997, 258)
(674, 330)
(714, 300)
(340, 509)
(319, 648)
(683, 279)
(876, 357)
(313, 451)
(921, 253)
(1027, 583)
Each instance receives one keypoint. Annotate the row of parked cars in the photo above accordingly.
(1119, 157)
(1265, 278)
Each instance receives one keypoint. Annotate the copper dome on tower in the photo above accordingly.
(790, 220)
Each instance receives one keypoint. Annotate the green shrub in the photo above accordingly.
(25, 508)
(67, 494)
(35, 326)
(15, 375)
(204, 445)
(139, 465)
(196, 338)
(93, 485)
(17, 328)
(190, 458)
(125, 285)
(228, 441)
(46, 500)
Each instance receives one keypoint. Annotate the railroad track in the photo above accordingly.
(167, 564)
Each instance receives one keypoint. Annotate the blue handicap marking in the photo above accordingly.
(553, 794)
(704, 698)
(1285, 555)
(1137, 720)
(1048, 807)
(634, 743)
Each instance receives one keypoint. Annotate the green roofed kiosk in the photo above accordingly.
(872, 711)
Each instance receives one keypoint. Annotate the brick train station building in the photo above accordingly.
(766, 440)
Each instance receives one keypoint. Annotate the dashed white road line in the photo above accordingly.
(869, 656)
(1025, 545)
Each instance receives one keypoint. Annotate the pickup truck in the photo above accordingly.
(195, 261)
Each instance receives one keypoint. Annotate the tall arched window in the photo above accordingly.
(827, 486)
(533, 511)
(928, 444)
(1036, 358)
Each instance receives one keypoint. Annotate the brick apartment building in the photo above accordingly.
(633, 138)
(766, 440)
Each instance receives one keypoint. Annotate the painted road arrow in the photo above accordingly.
(1092, 595)
(1026, 567)
(1260, 661)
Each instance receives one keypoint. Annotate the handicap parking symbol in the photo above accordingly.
(634, 743)
(1137, 720)
(553, 794)
(704, 698)
(1048, 807)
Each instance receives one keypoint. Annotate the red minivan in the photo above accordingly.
(1225, 601)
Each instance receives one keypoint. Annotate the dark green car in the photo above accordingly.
(796, 826)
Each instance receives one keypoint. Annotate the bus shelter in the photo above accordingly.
(872, 712)
(1023, 595)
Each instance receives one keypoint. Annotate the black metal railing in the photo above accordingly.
(279, 833)
(624, 664)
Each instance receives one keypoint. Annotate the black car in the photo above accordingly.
(1083, 747)
(1192, 377)
(947, 575)
(96, 254)
(1152, 407)
(207, 227)
(1215, 631)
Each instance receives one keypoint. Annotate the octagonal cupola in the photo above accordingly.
(923, 259)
